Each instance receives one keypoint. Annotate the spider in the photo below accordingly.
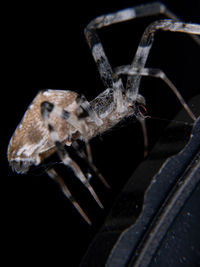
(58, 118)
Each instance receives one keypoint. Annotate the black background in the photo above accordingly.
(44, 47)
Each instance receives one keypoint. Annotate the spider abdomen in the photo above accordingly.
(31, 141)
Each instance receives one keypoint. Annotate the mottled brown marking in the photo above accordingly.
(32, 131)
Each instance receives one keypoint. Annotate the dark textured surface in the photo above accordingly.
(128, 244)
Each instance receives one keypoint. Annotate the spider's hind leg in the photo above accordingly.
(46, 109)
(84, 111)
(91, 164)
(53, 174)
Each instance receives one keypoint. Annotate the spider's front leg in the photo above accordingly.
(157, 73)
(108, 76)
(137, 67)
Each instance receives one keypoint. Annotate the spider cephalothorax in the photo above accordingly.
(57, 118)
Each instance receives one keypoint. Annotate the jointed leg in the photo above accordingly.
(84, 105)
(157, 73)
(104, 67)
(46, 109)
(145, 137)
(91, 164)
(145, 45)
(84, 110)
(53, 174)
(108, 77)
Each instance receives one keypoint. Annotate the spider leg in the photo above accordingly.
(107, 75)
(84, 111)
(91, 164)
(53, 174)
(144, 47)
(145, 136)
(46, 109)
(85, 105)
(157, 73)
